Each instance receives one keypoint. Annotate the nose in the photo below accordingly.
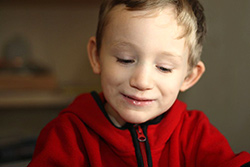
(142, 78)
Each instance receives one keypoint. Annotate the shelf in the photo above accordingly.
(27, 82)
(19, 100)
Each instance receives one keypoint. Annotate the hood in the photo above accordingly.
(90, 110)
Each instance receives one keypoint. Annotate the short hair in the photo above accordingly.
(190, 15)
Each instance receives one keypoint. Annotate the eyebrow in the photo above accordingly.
(171, 54)
(124, 44)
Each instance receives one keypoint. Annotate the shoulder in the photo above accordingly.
(197, 132)
(196, 122)
(70, 117)
(62, 125)
(83, 113)
(195, 116)
(85, 99)
(84, 105)
(189, 116)
(60, 138)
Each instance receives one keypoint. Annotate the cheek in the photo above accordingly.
(170, 92)
(113, 76)
(170, 86)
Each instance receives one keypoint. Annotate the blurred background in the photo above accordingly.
(44, 65)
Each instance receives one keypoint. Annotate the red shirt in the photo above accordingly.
(83, 135)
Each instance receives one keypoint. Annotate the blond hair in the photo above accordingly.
(190, 15)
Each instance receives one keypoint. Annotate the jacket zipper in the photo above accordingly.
(142, 143)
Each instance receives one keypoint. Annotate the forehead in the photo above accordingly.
(120, 15)
(121, 10)
(144, 27)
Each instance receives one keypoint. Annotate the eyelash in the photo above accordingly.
(163, 69)
(128, 61)
(125, 61)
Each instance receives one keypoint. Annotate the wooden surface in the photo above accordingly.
(27, 82)
(29, 99)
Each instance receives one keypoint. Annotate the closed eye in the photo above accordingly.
(163, 69)
(125, 61)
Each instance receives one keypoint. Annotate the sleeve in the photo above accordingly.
(205, 146)
(60, 144)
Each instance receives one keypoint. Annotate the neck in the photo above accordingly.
(114, 116)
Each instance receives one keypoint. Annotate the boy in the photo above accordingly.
(145, 52)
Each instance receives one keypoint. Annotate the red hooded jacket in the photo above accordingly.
(83, 135)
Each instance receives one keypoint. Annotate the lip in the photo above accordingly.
(137, 101)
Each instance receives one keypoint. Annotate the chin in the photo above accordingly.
(136, 120)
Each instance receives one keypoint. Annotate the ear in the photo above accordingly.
(193, 76)
(93, 55)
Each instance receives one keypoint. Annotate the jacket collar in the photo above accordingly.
(90, 110)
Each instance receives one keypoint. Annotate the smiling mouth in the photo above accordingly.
(136, 98)
(138, 101)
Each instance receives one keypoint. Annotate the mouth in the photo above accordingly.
(138, 101)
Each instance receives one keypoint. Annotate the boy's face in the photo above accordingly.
(142, 63)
